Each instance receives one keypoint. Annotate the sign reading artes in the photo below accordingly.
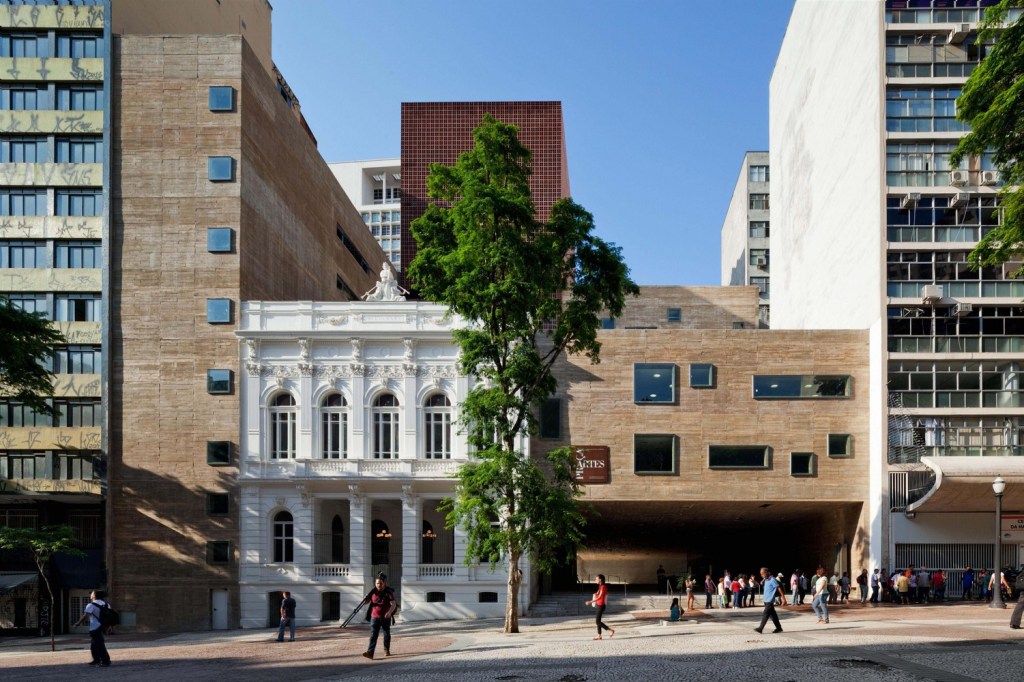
(592, 463)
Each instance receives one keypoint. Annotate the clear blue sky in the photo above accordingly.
(660, 98)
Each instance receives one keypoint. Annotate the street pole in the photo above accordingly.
(998, 486)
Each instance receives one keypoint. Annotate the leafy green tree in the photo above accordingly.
(530, 293)
(43, 544)
(992, 102)
(26, 341)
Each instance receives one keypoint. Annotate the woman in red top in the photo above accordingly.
(600, 597)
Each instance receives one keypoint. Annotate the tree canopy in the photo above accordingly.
(992, 102)
(530, 292)
(26, 341)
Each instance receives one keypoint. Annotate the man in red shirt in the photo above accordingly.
(382, 607)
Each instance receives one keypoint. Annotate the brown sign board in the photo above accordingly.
(593, 463)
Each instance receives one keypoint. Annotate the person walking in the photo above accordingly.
(876, 586)
(599, 601)
(772, 588)
(819, 600)
(709, 590)
(382, 607)
(97, 647)
(287, 617)
(1018, 609)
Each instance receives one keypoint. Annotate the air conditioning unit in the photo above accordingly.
(761, 262)
(990, 177)
(959, 33)
(910, 200)
(931, 293)
(959, 178)
(959, 199)
(961, 309)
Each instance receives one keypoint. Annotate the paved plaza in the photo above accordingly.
(952, 642)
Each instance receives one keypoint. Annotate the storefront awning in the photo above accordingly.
(9, 581)
(964, 484)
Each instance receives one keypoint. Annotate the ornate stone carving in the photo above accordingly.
(301, 489)
(357, 350)
(408, 496)
(305, 348)
(252, 362)
(355, 493)
(332, 371)
(336, 320)
(410, 350)
(387, 288)
(436, 372)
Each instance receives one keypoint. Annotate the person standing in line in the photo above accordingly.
(968, 583)
(287, 617)
(709, 590)
(844, 588)
(599, 601)
(382, 607)
(794, 584)
(876, 585)
(721, 593)
(903, 588)
(819, 596)
(862, 585)
(97, 647)
(772, 588)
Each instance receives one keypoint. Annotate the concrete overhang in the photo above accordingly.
(964, 484)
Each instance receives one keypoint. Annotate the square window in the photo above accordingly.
(840, 445)
(739, 457)
(220, 169)
(654, 382)
(607, 323)
(654, 454)
(216, 504)
(702, 375)
(674, 315)
(218, 453)
(218, 381)
(222, 98)
(220, 239)
(801, 464)
(218, 310)
(551, 418)
(218, 552)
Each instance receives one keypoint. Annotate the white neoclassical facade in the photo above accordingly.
(349, 441)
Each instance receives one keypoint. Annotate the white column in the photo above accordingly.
(302, 520)
(359, 534)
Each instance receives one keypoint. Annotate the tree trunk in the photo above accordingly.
(515, 579)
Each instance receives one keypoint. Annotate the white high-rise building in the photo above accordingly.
(876, 228)
(375, 188)
(746, 257)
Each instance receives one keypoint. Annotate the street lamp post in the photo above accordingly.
(998, 486)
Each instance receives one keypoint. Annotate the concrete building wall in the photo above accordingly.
(699, 307)
(826, 137)
(734, 233)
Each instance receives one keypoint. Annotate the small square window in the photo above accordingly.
(702, 375)
(222, 98)
(551, 418)
(654, 453)
(220, 239)
(218, 453)
(218, 381)
(218, 552)
(220, 169)
(218, 310)
(801, 464)
(654, 382)
(840, 445)
(607, 323)
(674, 314)
(216, 504)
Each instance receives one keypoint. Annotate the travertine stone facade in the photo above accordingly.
(285, 210)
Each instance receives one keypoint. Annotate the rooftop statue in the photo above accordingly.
(387, 288)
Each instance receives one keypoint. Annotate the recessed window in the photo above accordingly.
(654, 453)
(220, 169)
(216, 504)
(739, 456)
(220, 239)
(607, 323)
(283, 418)
(284, 538)
(330, 606)
(674, 314)
(840, 445)
(218, 453)
(218, 310)
(801, 464)
(437, 427)
(488, 597)
(551, 418)
(654, 382)
(702, 375)
(222, 98)
(759, 173)
(218, 552)
(218, 381)
(797, 386)
(435, 596)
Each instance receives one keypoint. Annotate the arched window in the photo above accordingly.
(282, 427)
(284, 538)
(437, 427)
(380, 544)
(427, 543)
(334, 427)
(385, 427)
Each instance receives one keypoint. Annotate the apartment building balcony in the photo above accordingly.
(326, 469)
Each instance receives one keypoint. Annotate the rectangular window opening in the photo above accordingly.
(801, 464)
(654, 382)
(654, 454)
(739, 457)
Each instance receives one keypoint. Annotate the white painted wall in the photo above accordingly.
(734, 233)
(826, 140)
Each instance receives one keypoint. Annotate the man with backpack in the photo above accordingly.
(383, 605)
(101, 618)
